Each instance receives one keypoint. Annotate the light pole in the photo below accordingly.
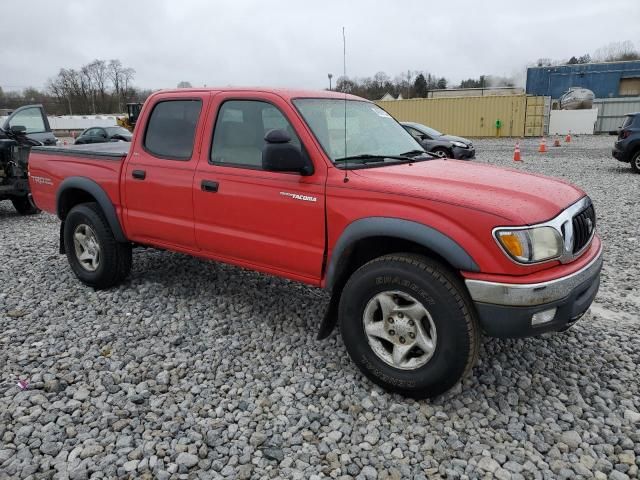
(330, 75)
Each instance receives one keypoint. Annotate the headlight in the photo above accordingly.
(459, 144)
(531, 245)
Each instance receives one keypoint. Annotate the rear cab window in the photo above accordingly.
(171, 129)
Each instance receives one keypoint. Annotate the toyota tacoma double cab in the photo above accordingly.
(421, 255)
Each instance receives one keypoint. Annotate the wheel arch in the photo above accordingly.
(76, 190)
(369, 238)
(400, 231)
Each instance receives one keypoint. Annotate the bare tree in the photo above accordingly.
(184, 84)
(617, 51)
(96, 86)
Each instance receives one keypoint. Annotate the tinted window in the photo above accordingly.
(171, 129)
(238, 138)
(117, 131)
(414, 133)
(628, 121)
(30, 118)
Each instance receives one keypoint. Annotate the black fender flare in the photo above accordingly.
(419, 233)
(424, 235)
(96, 191)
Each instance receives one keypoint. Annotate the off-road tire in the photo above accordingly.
(24, 205)
(635, 162)
(448, 302)
(115, 257)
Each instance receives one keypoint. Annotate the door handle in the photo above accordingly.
(209, 186)
(139, 174)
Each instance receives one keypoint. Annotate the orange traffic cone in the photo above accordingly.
(543, 146)
(568, 138)
(65, 143)
(556, 142)
(516, 153)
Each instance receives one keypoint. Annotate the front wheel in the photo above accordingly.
(24, 205)
(442, 153)
(408, 324)
(94, 255)
(635, 162)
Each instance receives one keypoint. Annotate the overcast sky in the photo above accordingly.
(296, 43)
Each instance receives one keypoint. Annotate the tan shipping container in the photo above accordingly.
(473, 116)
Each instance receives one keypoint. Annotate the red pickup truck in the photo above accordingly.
(421, 255)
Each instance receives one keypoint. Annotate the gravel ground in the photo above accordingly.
(198, 370)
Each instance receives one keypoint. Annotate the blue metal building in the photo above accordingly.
(606, 80)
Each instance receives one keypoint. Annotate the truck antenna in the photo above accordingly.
(344, 76)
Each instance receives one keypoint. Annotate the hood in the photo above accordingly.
(520, 198)
(453, 138)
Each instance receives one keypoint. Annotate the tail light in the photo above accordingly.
(624, 134)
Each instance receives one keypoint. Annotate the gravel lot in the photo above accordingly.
(198, 370)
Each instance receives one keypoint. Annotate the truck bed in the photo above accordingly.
(98, 163)
(106, 151)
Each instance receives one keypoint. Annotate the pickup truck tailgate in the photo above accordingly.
(99, 163)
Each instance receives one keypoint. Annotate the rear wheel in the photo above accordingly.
(94, 255)
(408, 324)
(24, 205)
(635, 162)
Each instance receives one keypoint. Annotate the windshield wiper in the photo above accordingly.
(417, 153)
(369, 158)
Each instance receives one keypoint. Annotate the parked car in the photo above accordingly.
(627, 147)
(104, 134)
(445, 146)
(34, 122)
(420, 255)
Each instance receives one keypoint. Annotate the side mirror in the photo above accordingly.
(279, 155)
(18, 129)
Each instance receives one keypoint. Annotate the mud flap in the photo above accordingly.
(62, 249)
(330, 317)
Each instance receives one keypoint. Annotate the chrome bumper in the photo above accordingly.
(527, 295)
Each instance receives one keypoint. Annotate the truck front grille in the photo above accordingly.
(584, 224)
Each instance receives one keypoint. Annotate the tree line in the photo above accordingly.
(612, 52)
(409, 85)
(95, 88)
(106, 86)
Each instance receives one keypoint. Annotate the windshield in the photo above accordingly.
(117, 130)
(432, 132)
(369, 129)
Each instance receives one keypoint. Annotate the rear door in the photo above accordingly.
(270, 221)
(158, 177)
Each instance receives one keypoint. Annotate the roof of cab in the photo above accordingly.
(287, 94)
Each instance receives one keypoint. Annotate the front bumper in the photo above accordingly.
(460, 153)
(507, 310)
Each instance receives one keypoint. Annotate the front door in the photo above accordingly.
(158, 180)
(269, 221)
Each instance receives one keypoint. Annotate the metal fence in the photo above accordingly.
(491, 116)
(611, 112)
